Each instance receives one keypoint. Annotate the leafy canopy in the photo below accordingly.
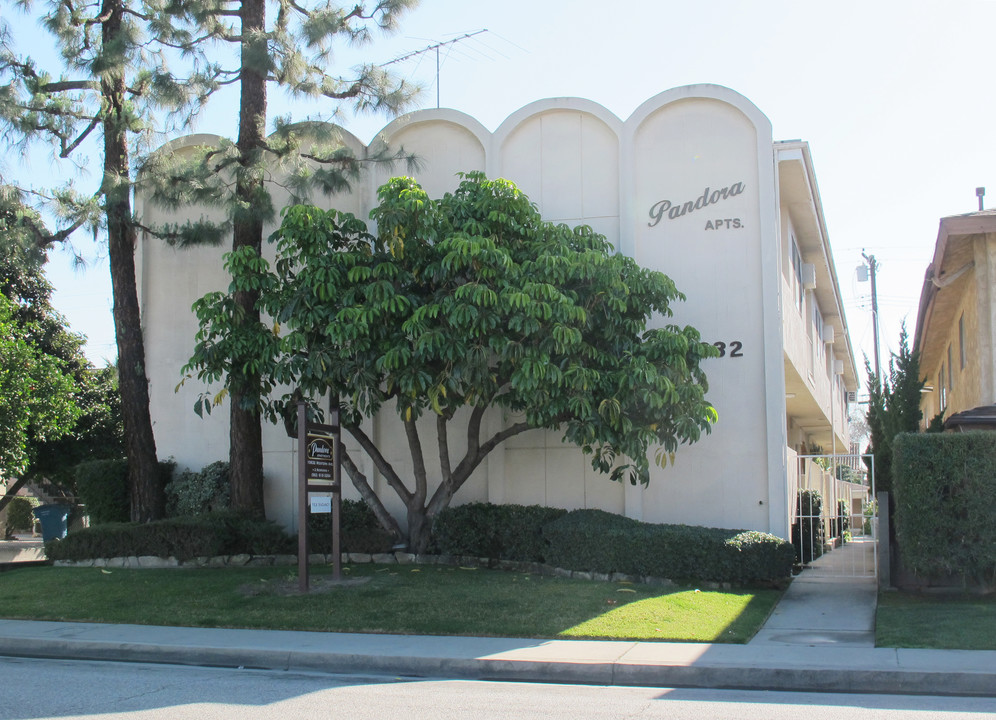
(93, 426)
(469, 300)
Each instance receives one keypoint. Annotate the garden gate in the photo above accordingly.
(835, 516)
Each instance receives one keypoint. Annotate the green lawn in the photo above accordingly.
(393, 599)
(919, 620)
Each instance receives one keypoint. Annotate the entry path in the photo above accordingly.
(831, 603)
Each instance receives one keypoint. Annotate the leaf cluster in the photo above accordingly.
(469, 300)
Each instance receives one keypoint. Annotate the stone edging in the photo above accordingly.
(396, 558)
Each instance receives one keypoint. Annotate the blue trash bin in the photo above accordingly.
(54, 521)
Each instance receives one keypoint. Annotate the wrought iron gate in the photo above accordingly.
(835, 516)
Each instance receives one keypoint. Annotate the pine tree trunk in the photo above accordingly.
(147, 498)
(246, 444)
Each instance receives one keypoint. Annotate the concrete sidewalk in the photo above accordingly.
(820, 637)
(763, 666)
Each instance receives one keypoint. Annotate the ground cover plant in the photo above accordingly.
(941, 621)
(417, 599)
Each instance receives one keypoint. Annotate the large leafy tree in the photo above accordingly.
(93, 428)
(113, 83)
(453, 307)
(288, 44)
(893, 406)
(36, 394)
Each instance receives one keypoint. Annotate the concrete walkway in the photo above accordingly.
(24, 548)
(820, 638)
(831, 604)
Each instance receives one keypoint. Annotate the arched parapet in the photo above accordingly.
(444, 143)
(564, 153)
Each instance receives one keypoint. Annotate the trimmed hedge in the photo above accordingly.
(102, 486)
(498, 532)
(103, 489)
(361, 533)
(597, 541)
(944, 487)
(226, 533)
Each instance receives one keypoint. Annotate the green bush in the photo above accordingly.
(498, 532)
(19, 515)
(840, 525)
(103, 490)
(596, 541)
(220, 533)
(102, 486)
(945, 504)
(195, 493)
(808, 533)
(361, 533)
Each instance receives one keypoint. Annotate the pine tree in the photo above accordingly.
(292, 51)
(893, 406)
(113, 84)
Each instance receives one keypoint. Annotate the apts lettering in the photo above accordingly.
(665, 208)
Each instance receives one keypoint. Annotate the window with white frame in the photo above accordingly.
(796, 258)
(818, 348)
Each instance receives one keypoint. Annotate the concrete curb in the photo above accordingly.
(878, 671)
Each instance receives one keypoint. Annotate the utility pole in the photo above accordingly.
(872, 268)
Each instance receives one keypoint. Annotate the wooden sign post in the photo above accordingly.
(319, 470)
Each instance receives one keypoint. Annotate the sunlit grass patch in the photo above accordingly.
(686, 615)
(430, 600)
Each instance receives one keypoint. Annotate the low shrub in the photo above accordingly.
(102, 486)
(19, 515)
(498, 532)
(596, 541)
(840, 525)
(103, 490)
(221, 533)
(361, 533)
(945, 494)
(195, 493)
(808, 533)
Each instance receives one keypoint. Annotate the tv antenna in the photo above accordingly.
(435, 47)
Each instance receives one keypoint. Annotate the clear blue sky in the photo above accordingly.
(894, 97)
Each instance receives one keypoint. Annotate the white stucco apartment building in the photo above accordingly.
(692, 185)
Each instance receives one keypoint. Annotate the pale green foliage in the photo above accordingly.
(294, 52)
(470, 300)
(36, 395)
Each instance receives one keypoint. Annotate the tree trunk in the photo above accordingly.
(419, 529)
(147, 497)
(246, 443)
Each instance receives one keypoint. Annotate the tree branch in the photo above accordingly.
(475, 455)
(444, 446)
(380, 462)
(68, 149)
(369, 496)
(418, 462)
(67, 85)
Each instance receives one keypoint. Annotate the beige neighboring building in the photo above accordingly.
(956, 324)
(690, 184)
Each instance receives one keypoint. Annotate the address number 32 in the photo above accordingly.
(735, 348)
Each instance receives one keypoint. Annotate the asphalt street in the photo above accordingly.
(38, 689)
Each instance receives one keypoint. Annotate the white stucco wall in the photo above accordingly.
(579, 164)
